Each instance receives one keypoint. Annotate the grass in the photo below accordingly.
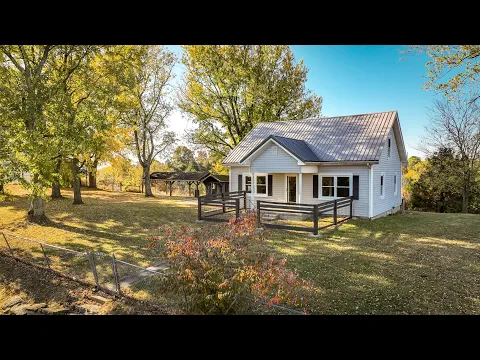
(421, 263)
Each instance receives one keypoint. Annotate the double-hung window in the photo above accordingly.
(334, 186)
(261, 184)
(248, 183)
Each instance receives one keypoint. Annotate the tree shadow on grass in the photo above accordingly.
(389, 266)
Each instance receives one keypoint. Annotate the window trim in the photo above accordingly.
(244, 185)
(382, 187)
(254, 184)
(389, 147)
(395, 183)
(334, 175)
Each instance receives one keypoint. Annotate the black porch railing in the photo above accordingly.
(316, 211)
(233, 200)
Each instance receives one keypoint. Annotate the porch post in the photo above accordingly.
(300, 188)
(253, 190)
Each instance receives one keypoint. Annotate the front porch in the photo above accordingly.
(297, 188)
(277, 215)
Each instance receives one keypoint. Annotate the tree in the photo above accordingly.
(227, 90)
(203, 160)
(147, 106)
(183, 159)
(73, 125)
(456, 125)
(24, 93)
(435, 184)
(460, 62)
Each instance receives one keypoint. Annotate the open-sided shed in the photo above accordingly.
(214, 184)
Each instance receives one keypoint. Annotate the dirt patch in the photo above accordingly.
(26, 289)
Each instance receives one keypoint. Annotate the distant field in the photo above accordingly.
(421, 263)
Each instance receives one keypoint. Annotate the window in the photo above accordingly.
(261, 183)
(389, 147)
(327, 186)
(395, 184)
(248, 183)
(382, 192)
(343, 186)
(336, 186)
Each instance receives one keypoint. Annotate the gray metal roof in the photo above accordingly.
(187, 176)
(299, 148)
(341, 138)
(179, 175)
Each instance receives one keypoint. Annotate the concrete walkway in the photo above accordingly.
(140, 275)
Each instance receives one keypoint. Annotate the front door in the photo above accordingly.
(292, 189)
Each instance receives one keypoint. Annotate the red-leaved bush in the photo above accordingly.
(216, 266)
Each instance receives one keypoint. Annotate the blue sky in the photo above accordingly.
(356, 79)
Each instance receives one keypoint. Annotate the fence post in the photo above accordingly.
(223, 203)
(45, 256)
(8, 245)
(237, 208)
(315, 219)
(115, 274)
(91, 260)
(259, 223)
(245, 201)
(403, 206)
(335, 212)
(351, 207)
(199, 208)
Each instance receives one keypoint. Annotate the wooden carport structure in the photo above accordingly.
(215, 184)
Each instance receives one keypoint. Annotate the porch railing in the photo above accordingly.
(315, 210)
(229, 200)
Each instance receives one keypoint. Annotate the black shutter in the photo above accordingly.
(315, 186)
(355, 187)
(270, 185)
(240, 185)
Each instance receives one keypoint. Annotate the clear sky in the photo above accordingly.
(357, 79)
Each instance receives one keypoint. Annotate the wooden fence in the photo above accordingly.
(316, 211)
(229, 200)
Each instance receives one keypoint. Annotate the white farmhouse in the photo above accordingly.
(320, 159)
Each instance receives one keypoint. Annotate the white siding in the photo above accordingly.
(270, 162)
(389, 167)
(360, 206)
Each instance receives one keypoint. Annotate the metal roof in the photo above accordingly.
(187, 176)
(299, 148)
(340, 138)
(179, 175)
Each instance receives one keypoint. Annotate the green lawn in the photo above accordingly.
(421, 263)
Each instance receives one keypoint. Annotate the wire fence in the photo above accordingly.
(110, 274)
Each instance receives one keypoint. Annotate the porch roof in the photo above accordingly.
(298, 148)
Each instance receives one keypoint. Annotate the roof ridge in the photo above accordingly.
(325, 117)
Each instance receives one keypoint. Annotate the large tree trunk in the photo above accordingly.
(92, 175)
(77, 194)
(56, 193)
(148, 183)
(37, 206)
